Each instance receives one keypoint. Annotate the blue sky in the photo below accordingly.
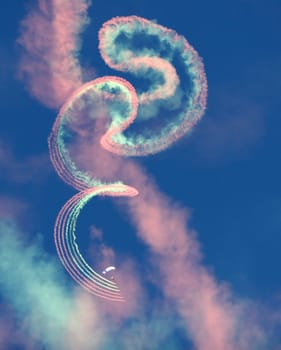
(227, 172)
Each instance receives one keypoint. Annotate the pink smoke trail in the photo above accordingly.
(204, 304)
(50, 39)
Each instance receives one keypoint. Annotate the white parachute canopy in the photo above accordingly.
(108, 269)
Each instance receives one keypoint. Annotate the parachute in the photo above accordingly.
(108, 269)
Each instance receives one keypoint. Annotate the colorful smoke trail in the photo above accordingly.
(50, 37)
(111, 104)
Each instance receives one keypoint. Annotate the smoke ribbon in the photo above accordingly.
(169, 101)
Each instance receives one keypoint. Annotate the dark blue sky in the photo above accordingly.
(227, 172)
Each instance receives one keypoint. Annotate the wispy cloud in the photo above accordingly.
(232, 131)
(34, 285)
(19, 170)
(11, 208)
